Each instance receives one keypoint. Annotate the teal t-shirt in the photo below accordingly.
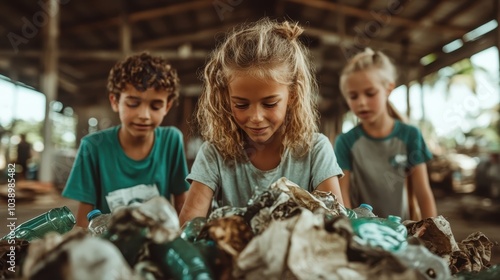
(378, 166)
(234, 183)
(101, 166)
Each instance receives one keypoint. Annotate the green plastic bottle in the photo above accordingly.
(60, 220)
(191, 229)
(179, 259)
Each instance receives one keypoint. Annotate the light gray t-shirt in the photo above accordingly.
(234, 183)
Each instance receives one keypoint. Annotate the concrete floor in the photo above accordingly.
(450, 206)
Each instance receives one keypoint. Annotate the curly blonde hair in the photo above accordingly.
(263, 49)
(144, 71)
(368, 60)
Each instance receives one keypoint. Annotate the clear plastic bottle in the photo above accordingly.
(347, 212)
(60, 220)
(364, 210)
(418, 257)
(98, 222)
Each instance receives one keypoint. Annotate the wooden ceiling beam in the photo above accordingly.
(101, 54)
(67, 85)
(367, 15)
(467, 50)
(138, 16)
(333, 38)
(428, 12)
(179, 39)
(464, 7)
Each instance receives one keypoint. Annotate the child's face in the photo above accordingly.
(366, 94)
(258, 106)
(140, 112)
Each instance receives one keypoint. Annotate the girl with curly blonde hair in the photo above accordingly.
(258, 117)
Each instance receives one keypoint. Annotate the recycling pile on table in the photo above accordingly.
(285, 232)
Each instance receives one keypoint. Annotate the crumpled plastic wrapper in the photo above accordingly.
(307, 247)
(301, 249)
(231, 234)
(302, 197)
(226, 211)
(258, 261)
(160, 217)
(133, 228)
(376, 263)
(471, 254)
(435, 233)
(74, 256)
(315, 253)
(474, 254)
(283, 200)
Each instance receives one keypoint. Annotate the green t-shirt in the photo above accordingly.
(101, 166)
(378, 166)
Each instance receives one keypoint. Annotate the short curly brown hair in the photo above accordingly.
(144, 71)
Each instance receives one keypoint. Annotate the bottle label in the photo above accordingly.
(124, 197)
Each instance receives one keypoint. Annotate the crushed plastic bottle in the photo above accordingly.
(349, 213)
(395, 223)
(98, 222)
(428, 264)
(60, 220)
(364, 210)
(191, 229)
(377, 232)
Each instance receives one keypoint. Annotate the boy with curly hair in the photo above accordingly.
(137, 159)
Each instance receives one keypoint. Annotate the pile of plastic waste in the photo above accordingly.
(284, 232)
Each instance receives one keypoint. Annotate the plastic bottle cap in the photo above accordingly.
(367, 206)
(94, 213)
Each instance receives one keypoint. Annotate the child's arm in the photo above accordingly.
(331, 185)
(81, 215)
(423, 192)
(179, 201)
(198, 202)
(344, 188)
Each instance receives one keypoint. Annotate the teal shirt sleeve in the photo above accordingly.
(343, 152)
(417, 149)
(82, 184)
(179, 169)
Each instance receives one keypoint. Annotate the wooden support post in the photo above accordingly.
(125, 32)
(405, 77)
(48, 85)
(422, 97)
(497, 41)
